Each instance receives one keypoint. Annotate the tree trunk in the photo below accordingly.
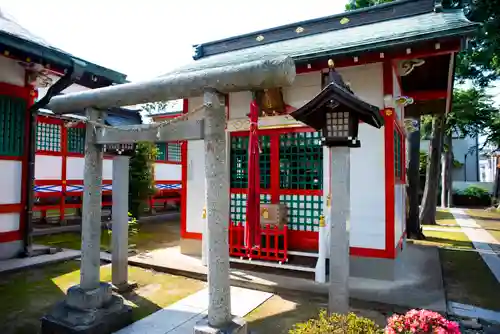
(446, 165)
(496, 183)
(429, 200)
(451, 158)
(413, 144)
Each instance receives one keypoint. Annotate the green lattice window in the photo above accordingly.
(48, 137)
(397, 155)
(303, 211)
(76, 140)
(174, 152)
(238, 206)
(12, 126)
(265, 162)
(239, 162)
(169, 152)
(162, 151)
(301, 161)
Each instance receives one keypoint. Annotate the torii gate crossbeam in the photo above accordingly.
(90, 303)
(260, 74)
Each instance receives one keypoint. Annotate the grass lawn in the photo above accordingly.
(467, 278)
(445, 218)
(28, 295)
(151, 236)
(490, 221)
(279, 313)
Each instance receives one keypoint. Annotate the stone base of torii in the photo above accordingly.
(91, 306)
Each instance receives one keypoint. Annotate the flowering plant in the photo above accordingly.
(421, 322)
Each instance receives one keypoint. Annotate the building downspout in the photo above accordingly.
(72, 74)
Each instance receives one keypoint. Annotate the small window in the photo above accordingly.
(398, 155)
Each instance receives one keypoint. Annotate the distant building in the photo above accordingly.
(465, 152)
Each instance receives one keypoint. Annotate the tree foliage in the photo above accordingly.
(141, 177)
(357, 4)
(157, 107)
(473, 114)
(481, 61)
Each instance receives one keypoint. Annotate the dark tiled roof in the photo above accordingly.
(360, 38)
(15, 36)
(114, 117)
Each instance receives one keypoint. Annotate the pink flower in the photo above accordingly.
(420, 322)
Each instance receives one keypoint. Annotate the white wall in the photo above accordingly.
(11, 72)
(366, 82)
(368, 190)
(399, 211)
(10, 184)
(367, 163)
(168, 172)
(48, 167)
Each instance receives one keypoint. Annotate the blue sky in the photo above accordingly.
(146, 38)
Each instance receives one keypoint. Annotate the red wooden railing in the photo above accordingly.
(274, 243)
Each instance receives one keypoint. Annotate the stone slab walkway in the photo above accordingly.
(40, 260)
(469, 311)
(480, 238)
(181, 317)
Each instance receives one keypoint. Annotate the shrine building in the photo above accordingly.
(398, 57)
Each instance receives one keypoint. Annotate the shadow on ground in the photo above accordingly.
(154, 233)
(26, 296)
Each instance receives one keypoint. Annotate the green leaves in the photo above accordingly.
(480, 62)
(141, 176)
(357, 4)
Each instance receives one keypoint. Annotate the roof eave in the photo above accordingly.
(458, 33)
(57, 57)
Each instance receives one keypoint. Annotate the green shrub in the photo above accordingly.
(337, 324)
(474, 191)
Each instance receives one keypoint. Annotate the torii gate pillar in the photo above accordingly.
(219, 318)
(99, 314)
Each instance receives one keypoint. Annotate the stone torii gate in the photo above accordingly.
(90, 307)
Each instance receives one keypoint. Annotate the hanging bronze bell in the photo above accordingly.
(271, 101)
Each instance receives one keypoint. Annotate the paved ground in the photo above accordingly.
(181, 317)
(419, 285)
(481, 239)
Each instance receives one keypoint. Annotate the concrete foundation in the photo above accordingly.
(191, 247)
(363, 267)
(377, 268)
(9, 250)
(97, 311)
(236, 326)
